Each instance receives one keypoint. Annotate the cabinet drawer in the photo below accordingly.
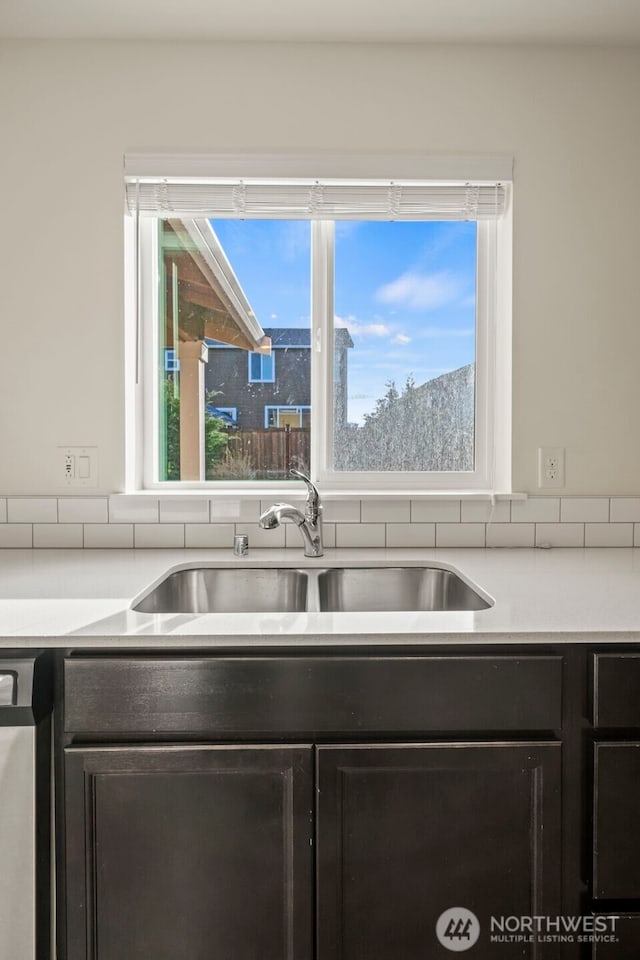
(616, 842)
(272, 696)
(616, 690)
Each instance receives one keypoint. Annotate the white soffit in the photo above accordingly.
(404, 21)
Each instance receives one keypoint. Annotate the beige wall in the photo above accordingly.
(569, 116)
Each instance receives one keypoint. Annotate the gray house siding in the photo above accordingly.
(227, 376)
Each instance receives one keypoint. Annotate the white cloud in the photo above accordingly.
(274, 316)
(419, 291)
(401, 338)
(358, 329)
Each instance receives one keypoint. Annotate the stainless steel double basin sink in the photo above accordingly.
(290, 590)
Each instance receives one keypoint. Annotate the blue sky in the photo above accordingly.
(405, 291)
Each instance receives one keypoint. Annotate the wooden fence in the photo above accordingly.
(271, 452)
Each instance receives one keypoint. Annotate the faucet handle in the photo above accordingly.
(313, 497)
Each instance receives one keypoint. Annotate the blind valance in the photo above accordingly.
(310, 199)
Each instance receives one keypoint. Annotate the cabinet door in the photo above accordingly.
(621, 941)
(616, 855)
(406, 832)
(194, 852)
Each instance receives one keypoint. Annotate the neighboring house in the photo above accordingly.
(255, 391)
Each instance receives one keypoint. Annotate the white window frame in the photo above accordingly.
(492, 472)
(291, 408)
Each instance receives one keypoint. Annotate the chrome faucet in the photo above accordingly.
(309, 523)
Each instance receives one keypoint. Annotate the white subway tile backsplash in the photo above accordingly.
(263, 539)
(16, 535)
(460, 534)
(511, 535)
(108, 535)
(133, 510)
(435, 511)
(184, 511)
(135, 521)
(294, 541)
(158, 535)
(213, 535)
(584, 509)
(83, 510)
(32, 510)
(608, 535)
(228, 510)
(292, 536)
(482, 511)
(560, 534)
(536, 510)
(411, 534)
(385, 511)
(57, 535)
(341, 511)
(625, 509)
(329, 535)
(360, 535)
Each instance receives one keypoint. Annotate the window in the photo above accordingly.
(298, 417)
(386, 304)
(226, 414)
(171, 362)
(262, 369)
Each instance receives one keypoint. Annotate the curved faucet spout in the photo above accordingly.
(309, 523)
(277, 512)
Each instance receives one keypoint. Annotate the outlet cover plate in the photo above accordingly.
(77, 465)
(550, 467)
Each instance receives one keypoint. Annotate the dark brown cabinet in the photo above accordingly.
(312, 807)
(407, 832)
(616, 859)
(616, 783)
(189, 851)
(622, 939)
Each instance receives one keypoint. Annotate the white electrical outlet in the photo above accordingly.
(78, 466)
(551, 466)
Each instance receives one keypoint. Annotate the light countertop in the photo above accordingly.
(82, 598)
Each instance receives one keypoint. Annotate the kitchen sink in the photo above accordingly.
(290, 590)
(395, 588)
(234, 590)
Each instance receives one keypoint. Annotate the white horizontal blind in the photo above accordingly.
(298, 199)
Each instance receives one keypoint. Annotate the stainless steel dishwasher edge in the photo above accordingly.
(25, 821)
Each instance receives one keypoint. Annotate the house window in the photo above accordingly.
(171, 362)
(228, 415)
(386, 303)
(298, 417)
(262, 369)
